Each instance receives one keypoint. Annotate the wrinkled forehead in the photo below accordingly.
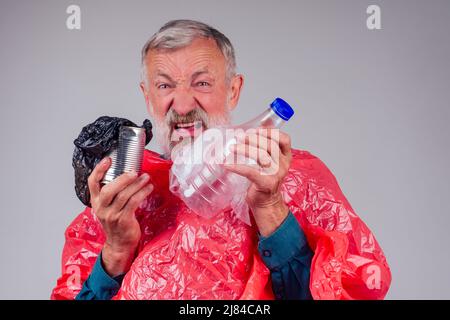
(200, 56)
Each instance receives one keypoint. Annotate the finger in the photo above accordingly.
(267, 141)
(248, 171)
(280, 137)
(123, 196)
(260, 156)
(260, 141)
(97, 175)
(285, 143)
(109, 191)
(134, 202)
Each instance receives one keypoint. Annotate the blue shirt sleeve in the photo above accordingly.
(287, 255)
(99, 285)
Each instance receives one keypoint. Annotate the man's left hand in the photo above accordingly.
(271, 150)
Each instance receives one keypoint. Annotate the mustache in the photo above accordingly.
(196, 115)
(165, 126)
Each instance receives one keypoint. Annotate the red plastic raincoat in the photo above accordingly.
(184, 256)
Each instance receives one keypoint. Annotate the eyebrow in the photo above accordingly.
(198, 73)
(164, 75)
(194, 75)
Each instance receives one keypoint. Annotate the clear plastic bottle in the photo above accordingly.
(207, 187)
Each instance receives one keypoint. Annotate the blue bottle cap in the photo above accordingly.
(282, 109)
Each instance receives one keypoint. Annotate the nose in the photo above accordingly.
(184, 101)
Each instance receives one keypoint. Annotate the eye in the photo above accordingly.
(202, 84)
(163, 86)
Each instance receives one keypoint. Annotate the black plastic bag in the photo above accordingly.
(93, 143)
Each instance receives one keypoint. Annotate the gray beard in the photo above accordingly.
(163, 130)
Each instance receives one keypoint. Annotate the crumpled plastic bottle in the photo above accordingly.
(198, 176)
(93, 143)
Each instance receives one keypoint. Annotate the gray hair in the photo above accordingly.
(177, 34)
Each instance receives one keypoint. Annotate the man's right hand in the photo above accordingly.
(114, 204)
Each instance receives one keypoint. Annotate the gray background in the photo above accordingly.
(373, 105)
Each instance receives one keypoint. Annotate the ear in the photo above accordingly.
(236, 85)
(146, 95)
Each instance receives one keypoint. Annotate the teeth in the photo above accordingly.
(197, 124)
(185, 125)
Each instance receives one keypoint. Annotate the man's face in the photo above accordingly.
(187, 88)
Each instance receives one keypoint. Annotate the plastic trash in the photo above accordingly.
(198, 176)
(182, 255)
(93, 143)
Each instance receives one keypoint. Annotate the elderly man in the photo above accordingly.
(189, 78)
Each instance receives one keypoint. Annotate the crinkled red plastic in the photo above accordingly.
(184, 256)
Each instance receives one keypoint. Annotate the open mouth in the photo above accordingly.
(188, 126)
(182, 130)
